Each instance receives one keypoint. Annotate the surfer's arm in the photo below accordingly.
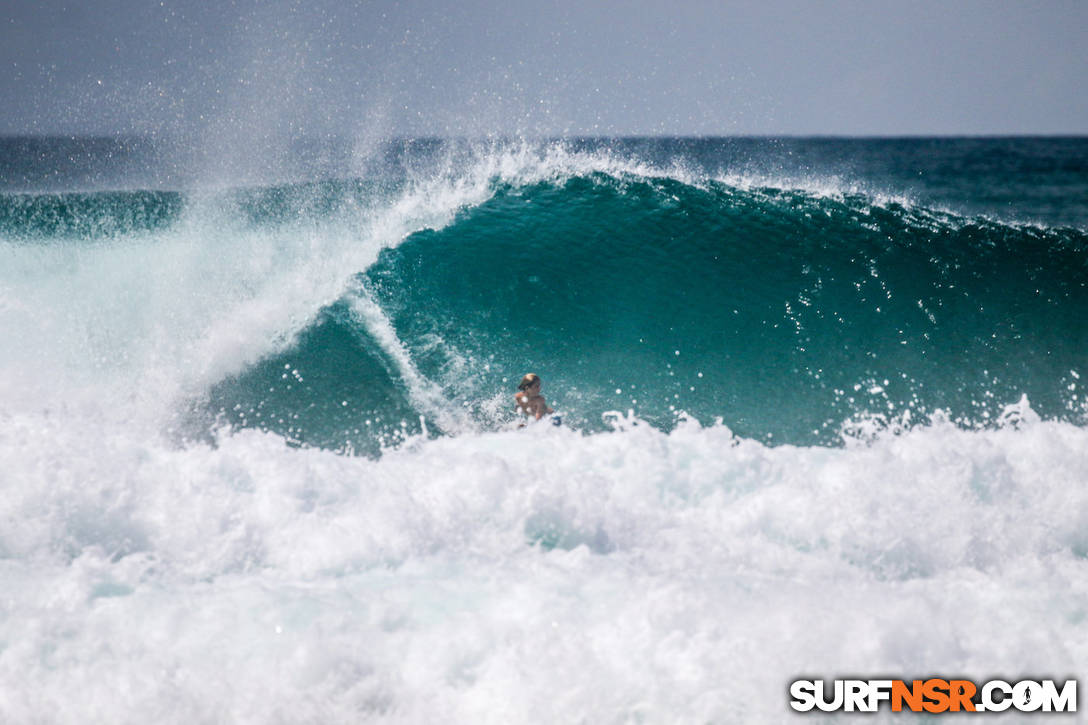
(540, 407)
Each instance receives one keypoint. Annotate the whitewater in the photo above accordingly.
(258, 461)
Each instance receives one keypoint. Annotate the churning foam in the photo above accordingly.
(532, 576)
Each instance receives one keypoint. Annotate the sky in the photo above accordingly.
(544, 67)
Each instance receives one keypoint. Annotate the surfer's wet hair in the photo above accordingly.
(528, 380)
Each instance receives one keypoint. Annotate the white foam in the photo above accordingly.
(425, 395)
(694, 574)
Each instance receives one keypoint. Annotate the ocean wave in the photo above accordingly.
(659, 287)
(786, 312)
(260, 460)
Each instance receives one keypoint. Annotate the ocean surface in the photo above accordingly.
(822, 400)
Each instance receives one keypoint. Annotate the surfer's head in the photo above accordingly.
(529, 381)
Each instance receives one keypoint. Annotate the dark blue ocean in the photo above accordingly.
(822, 400)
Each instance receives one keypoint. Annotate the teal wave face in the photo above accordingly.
(785, 314)
(334, 389)
(781, 312)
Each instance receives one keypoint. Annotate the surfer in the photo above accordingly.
(529, 400)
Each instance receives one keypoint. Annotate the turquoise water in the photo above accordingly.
(783, 312)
